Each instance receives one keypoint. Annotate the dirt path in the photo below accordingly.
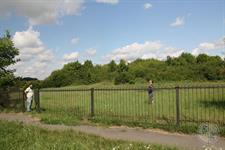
(189, 142)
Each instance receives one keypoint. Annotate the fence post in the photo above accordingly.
(37, 100)
(92, 102)
(177, 105)
(23, 101)
(21, 98)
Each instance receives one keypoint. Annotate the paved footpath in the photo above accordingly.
(182, 141)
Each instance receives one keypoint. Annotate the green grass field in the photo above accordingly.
(15, 136)
(117, 106)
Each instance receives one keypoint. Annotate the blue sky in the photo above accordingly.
(102, 30)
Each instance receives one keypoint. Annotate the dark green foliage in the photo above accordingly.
(123, 76)
(112, 66)
(185, 67)
(122, 67)
(7, 57)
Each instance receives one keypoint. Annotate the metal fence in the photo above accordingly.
(12, 98)
(190, 104)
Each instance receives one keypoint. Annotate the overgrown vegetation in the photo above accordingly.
(21, 137)
(184, 67)
(7, 57)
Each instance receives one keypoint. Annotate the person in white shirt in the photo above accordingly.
(29, 94)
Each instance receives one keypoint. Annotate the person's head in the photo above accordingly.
(30, 85)
(150, 82)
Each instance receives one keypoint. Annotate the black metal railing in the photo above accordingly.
(172, 105)
(14, 98)
(186, 104)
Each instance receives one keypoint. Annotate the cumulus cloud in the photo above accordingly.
(210, 48)
(41, 11)
(75, 40)
(147, 6)
(178, 22)
(91, 51)
(33, 40)
(45, 56)
(149, 49)
(33, 54)
(71, 57)
(108, 1)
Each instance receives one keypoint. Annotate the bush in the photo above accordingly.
(124, 77)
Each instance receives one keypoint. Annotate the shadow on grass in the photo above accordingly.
(220, 104)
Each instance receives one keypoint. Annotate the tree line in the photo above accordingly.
(184, 67)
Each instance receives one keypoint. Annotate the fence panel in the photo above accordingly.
(133, 105)
(171, 105)
(65, 102)
(12, 98)
(202, 104)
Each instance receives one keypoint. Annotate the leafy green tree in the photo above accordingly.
(112, 66)
(8, 52)
(73, 71)
(88, 72)
(202, 58)
(123, 76)
(122, 67)
(189, 58)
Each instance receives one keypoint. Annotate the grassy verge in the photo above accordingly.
(186, 128)
(15, 136)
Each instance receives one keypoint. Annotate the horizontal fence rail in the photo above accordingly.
(171, 105)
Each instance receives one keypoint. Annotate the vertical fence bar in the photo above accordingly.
(177, 106)
(92, 102)
(37, 100)
(223, 122)
(23, 100)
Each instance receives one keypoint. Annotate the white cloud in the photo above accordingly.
(75, 40)
(108, 1)
(71, 57)
(207, 46)
(35, 58)
(46, 56)
(178, 22)
(41, 11)
(149, 49)
(147, 6)
(210, 48)
(21, 40)
(91, 51)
